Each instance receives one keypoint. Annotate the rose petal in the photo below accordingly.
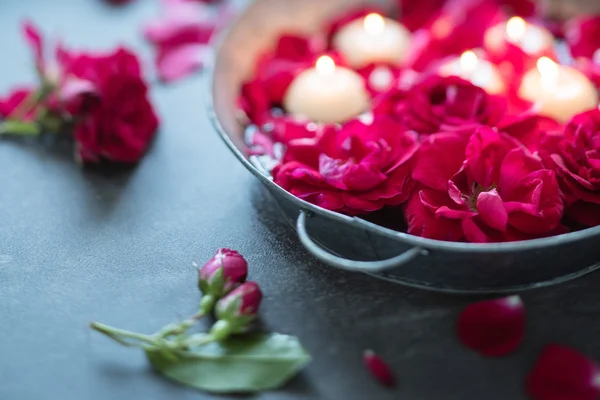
(438, 159)
(36, 43)
(181, 61)
(491, 210)
(583, 36)
(561, 373)
(12, 102)
(422, 220)
(378, 368)
(494, 327)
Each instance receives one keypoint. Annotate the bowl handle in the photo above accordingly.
(365, 266)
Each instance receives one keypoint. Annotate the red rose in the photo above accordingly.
(577, 164)
(583, 37)
(500, 192)
(357, 169)
(442, 104)
(120, 126)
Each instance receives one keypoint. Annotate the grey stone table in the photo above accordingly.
(77, 246)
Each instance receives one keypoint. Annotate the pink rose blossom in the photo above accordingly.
(442, 104)
(275, 72)
(497, 192)
(583, 37)
(459, 26)
(359, 168)
(233, 267)
(576, 160)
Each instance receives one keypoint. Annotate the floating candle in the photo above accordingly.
(558, 91)
(534, 40)
(374, 39)
(327, 93)
(479, 72)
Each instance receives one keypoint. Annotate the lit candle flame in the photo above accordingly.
(549, 70)
(515, 29)
(468, 62)
(374, 24)
(325, 65)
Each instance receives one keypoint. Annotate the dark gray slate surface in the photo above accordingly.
(76, 246)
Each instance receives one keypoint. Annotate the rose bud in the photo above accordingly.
(220, 275)
(236, 311)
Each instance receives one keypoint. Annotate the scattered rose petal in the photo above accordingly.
(180, 61)
(378, 368)
(181, 36)
(493, 328)
(561, 373)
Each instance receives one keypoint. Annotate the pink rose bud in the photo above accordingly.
(237, 310)
(220, 275)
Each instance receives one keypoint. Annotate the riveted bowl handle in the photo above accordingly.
(343, 263)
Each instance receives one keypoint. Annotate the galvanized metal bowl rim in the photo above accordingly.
(209, 81)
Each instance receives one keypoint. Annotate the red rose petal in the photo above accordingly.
(561, 373)
(493, 328)
(378, 368)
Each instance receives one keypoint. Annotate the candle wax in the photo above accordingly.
(562, 95)
(327, 94)
(373, 39)
(479, 72)
(534, 40)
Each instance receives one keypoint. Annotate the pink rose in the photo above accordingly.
(442, 104)
(120, 126)
(591, 69)
(357, 169)
(459, 26)
(577, 164)
(583, 37)
(497, 192)
(416, 14)
(275, 72)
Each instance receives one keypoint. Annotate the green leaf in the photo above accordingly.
(13, 127)
(239, 365)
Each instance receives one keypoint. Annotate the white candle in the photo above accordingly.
(327, 93)
(558, 91)
(479, 72)
(373, 39)
(532, 39)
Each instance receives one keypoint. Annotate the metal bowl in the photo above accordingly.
(354, 243)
